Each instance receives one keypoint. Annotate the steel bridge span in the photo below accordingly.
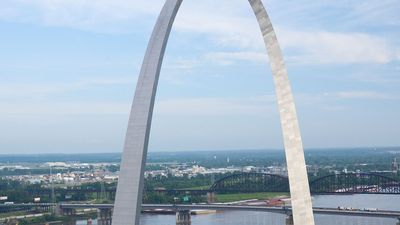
(349, 183)
(354, 183)
(365, 183)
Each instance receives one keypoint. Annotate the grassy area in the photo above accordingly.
(245, 196)
(4, 215)
(198, 188)
(50, 218)
(102, 201)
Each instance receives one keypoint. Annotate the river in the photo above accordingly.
(387, 202)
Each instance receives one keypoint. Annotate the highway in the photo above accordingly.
(219, 207)
(222, 207)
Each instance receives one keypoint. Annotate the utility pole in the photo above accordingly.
(53, 200)
(103, 191)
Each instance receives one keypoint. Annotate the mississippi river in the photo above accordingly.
(387, 202)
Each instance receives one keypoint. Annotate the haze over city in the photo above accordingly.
(68, 70)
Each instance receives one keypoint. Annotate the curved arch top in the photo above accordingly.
(128, 200)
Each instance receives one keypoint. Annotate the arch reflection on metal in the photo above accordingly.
(130, 185)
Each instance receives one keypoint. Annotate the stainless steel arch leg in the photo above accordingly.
(130, 184)
(298, 178)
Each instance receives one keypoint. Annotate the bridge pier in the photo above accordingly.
(183, 218)
(104, 217)
(11, 222)
(210, 197)
(57, 210)
(289, 220)
(47, 208)
(67, 212)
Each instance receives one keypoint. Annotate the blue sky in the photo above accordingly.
(68, 69)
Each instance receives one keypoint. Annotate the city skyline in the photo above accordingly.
(65, 73)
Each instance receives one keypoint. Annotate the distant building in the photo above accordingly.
(395, 166)
(315, 167)
(248, 169)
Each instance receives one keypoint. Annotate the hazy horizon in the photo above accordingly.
(380, 148)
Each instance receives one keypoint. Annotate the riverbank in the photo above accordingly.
(45, 218)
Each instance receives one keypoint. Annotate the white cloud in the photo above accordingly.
(63, 108)
(258, 105)
(255, 106)
(310, 46)
(374, 77)
(317, 47)
(377, 12)
(7, 12)
(182, 64)
(331, 47)
(228, 24)
(367, 95)
(97, 15)
(227, 58)
(14, 90)
(29, 90)
(105, 81)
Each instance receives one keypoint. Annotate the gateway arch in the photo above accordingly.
(131, 178)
